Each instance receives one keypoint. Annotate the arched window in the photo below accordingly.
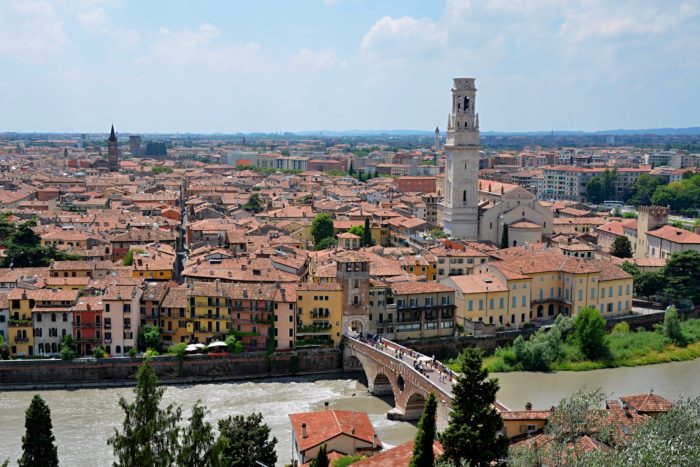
(119, 349)
(464, 195)
(466, 103)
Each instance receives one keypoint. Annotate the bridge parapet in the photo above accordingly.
(386, 373)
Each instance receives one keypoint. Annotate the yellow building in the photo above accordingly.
(319, 314)
(154, 262)
(208, 312)
(174, 316)
(558, 283)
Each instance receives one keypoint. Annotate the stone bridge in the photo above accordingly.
(387, 374)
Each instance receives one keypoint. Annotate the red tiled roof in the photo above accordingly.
(675, 235)
(326, 424)
(399, 456)
(647, 403)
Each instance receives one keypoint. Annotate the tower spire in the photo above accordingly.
(112, 136)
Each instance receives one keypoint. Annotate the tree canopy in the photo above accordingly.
(245, 441)
(621, 247)
(38, 448)
(589, 332)
(423, 446)
(322, 228)
(473, 434)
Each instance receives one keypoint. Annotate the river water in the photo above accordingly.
(84, 419)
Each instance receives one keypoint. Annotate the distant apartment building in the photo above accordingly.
(570, 183)
(416, 184)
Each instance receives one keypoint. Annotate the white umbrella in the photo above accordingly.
(217, 344)
(425, 359)
(191, 348)
(199, 346)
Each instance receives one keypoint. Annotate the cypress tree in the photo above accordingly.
(149, 434)
(321, 459)
(473, 432)
(423, 446)
(367, 234)
(199, 447)
(38, 448)
(504, 237)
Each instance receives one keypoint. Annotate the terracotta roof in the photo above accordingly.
(407, 288)
(647, 403)
(675, 235)
(476, 283)
(398, 456)
(324, 425)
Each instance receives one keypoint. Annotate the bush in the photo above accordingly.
(233, 345)
(672, 327)
(99, 352)
(590, 333)
(621, 328)
(132, 352)
(68, 348)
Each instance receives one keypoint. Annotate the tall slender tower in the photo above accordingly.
(436, 144)
(461, 218)
(113, 152)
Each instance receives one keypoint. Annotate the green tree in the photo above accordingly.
(621, 247)
(326, 243)
(504, 237)
(647, 284)
(99, 352)
(149, 434)
(351, 169)
(642, 189)
(367, 234)
(68, 347)
(423, 455)
(4, 349)
(631, 269)
(199, 446)
(672, 327)
(322, 227)
(321, 459)
(682, 275)
(589, 327)
(233, 345)
(474, 430)
(254, 204)
(38, 448)
(594, 190)
(357, 230)
(128, 259)
(149, 338)
(245, 441)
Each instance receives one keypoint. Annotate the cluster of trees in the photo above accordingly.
(153, 435)
(159, 169)
(679, 279)
(682, 196)
(602, 187)
(23, 246)
(586, 333)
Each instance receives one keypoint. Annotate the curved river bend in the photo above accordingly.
(84, 419)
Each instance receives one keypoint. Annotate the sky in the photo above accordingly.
(244, 66)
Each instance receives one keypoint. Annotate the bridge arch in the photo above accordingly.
(414, 405)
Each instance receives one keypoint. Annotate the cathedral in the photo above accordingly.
(480, 210)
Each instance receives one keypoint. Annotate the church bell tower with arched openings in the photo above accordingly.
(461, 215)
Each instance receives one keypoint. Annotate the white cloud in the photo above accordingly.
(93, 19)
(404, 37)
(30, 29)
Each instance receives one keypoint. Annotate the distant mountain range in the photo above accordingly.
(694, 131)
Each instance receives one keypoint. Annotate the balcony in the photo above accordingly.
(320, 328)
(108, 326)
(20, 340)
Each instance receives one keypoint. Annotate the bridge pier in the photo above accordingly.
(380, 386)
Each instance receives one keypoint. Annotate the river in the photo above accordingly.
(84, 419)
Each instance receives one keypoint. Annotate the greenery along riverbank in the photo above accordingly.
(583, 344)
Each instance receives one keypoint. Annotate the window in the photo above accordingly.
(481, 304)
(524, 300)
(513, 302)
(490, 303)
(445, 300)
(471, 305)
(580, 294)
(602, 292)
(619, 291)
(501, 302)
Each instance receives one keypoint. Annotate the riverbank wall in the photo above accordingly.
(450, 347)
(192, 369)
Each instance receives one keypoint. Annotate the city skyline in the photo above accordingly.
(343, 65)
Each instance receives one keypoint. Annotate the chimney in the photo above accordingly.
(528, 406)
(304, 434)
(374, 442)
(325, 405)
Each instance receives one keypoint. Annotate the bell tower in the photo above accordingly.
(113, 152)
(461, 219)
